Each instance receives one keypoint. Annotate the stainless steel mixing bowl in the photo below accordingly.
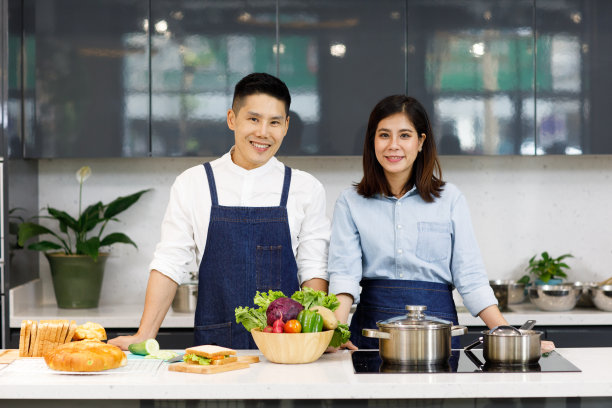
(602, 297)
(555, 298)
(516, 292)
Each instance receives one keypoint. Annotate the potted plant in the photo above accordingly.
(75, 259)
(547, 270)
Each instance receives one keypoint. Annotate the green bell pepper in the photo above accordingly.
(311, 321)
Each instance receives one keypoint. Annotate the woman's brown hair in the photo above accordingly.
(426, 172)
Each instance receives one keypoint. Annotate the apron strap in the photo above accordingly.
(286, 184)
(211, 184)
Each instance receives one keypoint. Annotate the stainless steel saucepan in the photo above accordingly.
(415, 338)
(509, 345)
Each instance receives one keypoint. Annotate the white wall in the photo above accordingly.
(520, 206)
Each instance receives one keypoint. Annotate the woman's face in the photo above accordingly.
(396, 144)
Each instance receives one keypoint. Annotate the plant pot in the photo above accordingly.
(554, 281)
(77, 279)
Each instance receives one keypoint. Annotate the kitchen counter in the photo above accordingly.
(331, 377)
(128, 316)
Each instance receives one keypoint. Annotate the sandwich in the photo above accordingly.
(209, 355)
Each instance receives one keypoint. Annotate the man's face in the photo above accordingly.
(259, 127)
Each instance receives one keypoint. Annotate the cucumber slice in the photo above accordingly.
(149, 346)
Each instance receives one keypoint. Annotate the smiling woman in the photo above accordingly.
(422, 244)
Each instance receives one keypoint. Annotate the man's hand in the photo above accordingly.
(124, 341)
(347, 345)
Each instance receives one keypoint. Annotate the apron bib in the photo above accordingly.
(248, 249)
(382, 299)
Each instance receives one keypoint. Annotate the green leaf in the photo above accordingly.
(89, 247)
(122, 203)
(64, 219)
(29, 230)
(117, 237)
(44, 246)
(525, 279)
(90, 217)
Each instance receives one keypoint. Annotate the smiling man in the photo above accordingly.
(250, 223)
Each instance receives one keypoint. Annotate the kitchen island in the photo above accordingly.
(331, 378)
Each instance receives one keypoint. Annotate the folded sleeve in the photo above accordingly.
(175, 253)
(468, 271)
(345, 257)
(313, 237)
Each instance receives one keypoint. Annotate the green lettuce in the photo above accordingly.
(251, 318)
(198, 359)
(309, 297)
(263, 299)
(341, 335)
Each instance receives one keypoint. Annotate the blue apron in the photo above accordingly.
(381, 299)
(248, 249)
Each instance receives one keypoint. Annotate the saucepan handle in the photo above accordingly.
(377, 334)
(458, 330)
(474, 344)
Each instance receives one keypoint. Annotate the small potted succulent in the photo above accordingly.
(547, 270)
(74, 251)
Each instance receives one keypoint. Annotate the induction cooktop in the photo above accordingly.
(460, 361)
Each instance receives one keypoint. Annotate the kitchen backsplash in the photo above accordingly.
(519, 205)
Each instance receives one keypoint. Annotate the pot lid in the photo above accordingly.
(415, 319)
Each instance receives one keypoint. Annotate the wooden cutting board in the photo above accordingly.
(206, 369)
(248, 359)
(8, 356)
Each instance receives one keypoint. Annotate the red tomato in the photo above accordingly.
(293, 326)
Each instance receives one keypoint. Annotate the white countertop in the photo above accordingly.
(128, 316)
(331, 377)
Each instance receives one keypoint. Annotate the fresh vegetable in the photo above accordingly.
(264, 299)
(341, 335)
(284, 308)
(293, 326)
(198, 359)
(251, 318)
(309, 297)
(149, 346)
(162, 355)
(330, 322)
(279, 325)
(268, 329)
(311, 321)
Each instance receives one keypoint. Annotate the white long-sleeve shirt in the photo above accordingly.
(185, 225)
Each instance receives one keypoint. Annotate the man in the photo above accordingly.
(252, 223)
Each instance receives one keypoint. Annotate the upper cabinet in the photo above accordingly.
(91, 69)
(130, 78)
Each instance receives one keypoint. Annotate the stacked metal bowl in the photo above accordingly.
(601, 296)
(555, 298)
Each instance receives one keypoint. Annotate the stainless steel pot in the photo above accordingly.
(509, 345)
(415, 338)
(186, 298)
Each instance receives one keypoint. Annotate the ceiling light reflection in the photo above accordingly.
(337, 50)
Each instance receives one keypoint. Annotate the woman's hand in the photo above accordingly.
(347, 345)
(546, 346)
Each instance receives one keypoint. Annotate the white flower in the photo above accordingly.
(83, 174)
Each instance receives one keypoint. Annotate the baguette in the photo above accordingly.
(85, 356)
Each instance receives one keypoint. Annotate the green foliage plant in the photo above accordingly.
(546, 268)
(78, 236)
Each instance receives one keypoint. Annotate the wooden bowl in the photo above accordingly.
(292, 348)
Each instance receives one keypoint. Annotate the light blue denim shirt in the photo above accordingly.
(407, 238)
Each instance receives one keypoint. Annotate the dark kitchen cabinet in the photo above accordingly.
(91, 69)
(130, 78)
(199, 50)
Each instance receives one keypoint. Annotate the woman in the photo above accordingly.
(403, 234)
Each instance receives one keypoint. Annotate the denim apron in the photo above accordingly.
(381, 299)
(248, 249)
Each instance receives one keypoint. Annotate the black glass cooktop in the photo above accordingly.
(460, 361)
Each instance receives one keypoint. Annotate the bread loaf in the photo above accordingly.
(85, 355)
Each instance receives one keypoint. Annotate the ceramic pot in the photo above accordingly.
(77, 279)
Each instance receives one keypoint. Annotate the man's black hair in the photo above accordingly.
(261, 83)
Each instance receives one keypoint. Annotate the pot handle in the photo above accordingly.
(377, 334)
(474, 344)
(458, 330)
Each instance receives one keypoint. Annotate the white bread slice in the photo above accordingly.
(210, 350)
(71, 331)
(33, 334)
(37, 342)
(22, 338)
(62, 334)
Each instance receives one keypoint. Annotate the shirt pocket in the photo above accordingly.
(268, 261)
(434, 241)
